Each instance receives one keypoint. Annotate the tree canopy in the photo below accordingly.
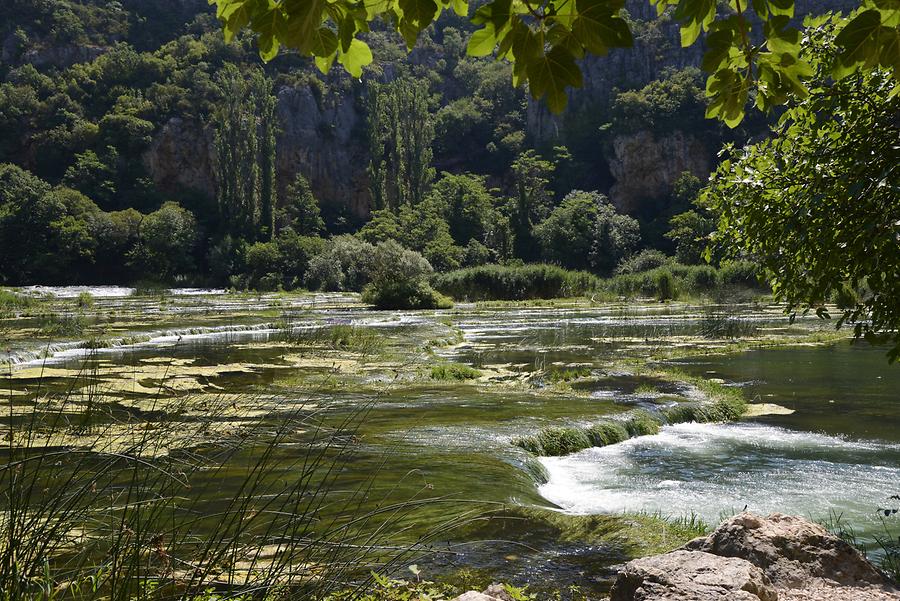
(750, 46)
(818, 202)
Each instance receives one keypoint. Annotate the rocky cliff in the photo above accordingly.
(321, 137)
(642, 165)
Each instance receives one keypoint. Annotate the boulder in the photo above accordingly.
(474, 596)
(495, 592)
(696, 576)
(790, 549)
(755, 558)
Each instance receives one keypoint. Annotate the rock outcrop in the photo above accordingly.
(495, 592)
(181, 158)
(755, 558)
(321, 137)
(646, 166)
(692, 575)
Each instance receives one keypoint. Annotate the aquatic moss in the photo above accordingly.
(556, 441)
(723, 410)
(642, 424)
(607, 433)
(454, 371)
(536, 470)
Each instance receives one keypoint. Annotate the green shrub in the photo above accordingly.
(743, 273)
(399, 280)
(700, 278)
(641, 424)
(507, 282)
(846, 297)
(85, 300)
(607, 433)
(400, 295)
(665, 285)
(643, 261)
(454, 371)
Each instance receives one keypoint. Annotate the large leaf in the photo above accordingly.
(550, 74)
(304, 19)
(858, 42)
(357, 56)
(598, 28)
(482, 42)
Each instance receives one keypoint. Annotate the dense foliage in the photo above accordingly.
(93, 97)
(818, 203)
(544, 39)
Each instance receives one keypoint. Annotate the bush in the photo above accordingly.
(701, 277)
(743, 273)
(643, 261)
(403, 295)
(501, 282)
(399, 280)
(665, 285)
(344, 264)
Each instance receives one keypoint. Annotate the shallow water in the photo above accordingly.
(837, 453)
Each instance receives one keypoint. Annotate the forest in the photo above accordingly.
(450, 168)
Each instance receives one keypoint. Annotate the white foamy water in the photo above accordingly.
(711, 469)
(61, 352)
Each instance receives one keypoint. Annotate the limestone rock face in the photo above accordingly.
(322, 138)
(181, 157)
(645, 166)
(698, 576)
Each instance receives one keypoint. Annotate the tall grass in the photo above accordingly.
(156, 504)
(11, 302)
(337, 337)
(505, 282)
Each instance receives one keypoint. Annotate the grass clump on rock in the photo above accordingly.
(607, 433)
(454, 371)
(555, 442)
(642, 424)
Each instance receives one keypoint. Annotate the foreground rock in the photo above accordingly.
(681, 575)
(755, 558)
(495, 592)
